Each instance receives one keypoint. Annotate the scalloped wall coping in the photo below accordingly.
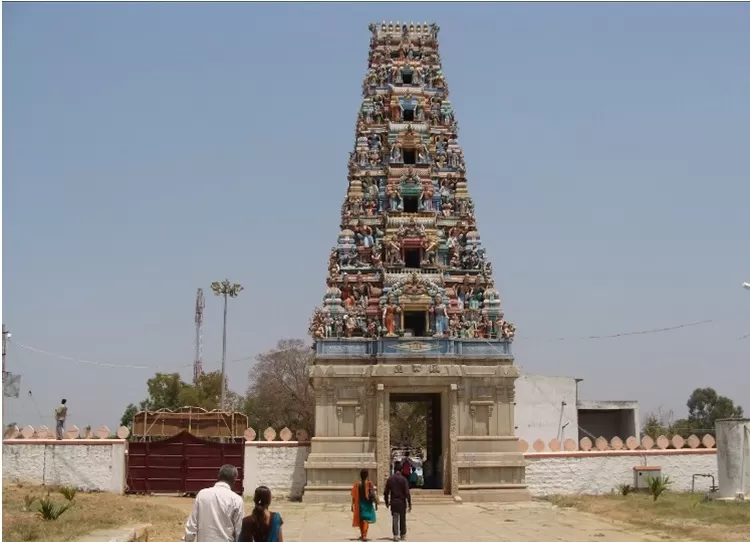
(614, 453)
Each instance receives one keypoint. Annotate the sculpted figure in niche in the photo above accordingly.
(372, 328)
(361, 290)
(396, 203)
(454, 326)
(350, 257)
(375, 142)
(371, 207)
(440, 311)
(426, 195)
(390, 310)
(364, 236)
(430, 246)
(393, 252)
(338, 327)
(396, 157)
(446, 209)
(376, 257)
(395, 110)
(333, 263)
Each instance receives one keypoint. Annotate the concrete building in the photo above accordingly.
(549, 407)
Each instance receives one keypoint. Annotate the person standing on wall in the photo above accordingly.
(61, 414)
(397, 496)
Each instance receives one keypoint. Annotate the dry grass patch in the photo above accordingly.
(89, 512)
(680, 514)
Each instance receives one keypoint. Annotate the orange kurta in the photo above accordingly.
(355, 499)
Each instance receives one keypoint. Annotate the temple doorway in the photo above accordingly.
(416, 433)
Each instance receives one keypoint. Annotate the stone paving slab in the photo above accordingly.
(527, 522)
(519, 522)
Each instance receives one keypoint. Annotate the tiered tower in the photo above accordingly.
(411, 305)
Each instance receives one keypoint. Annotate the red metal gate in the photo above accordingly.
(183, 463)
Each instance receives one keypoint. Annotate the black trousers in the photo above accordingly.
(398, 514)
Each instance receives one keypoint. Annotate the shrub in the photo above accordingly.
(28, 500)
(51, 511)
(657, 485)
(68, 492)
(624, 489)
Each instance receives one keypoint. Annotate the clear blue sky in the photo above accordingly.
(149, 149)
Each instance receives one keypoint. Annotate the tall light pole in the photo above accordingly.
(227, 289)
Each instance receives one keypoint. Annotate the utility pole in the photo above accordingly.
(226, 289)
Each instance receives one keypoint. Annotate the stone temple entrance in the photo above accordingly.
(415, 424)
(411, 308)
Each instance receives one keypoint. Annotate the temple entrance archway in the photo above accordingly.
(416, 428)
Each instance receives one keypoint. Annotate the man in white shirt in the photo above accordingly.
(217, 511)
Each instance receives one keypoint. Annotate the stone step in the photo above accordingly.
(430, 496)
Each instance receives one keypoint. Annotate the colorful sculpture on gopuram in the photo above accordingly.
(408, 228)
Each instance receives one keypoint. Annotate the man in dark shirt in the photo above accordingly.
(397, 497)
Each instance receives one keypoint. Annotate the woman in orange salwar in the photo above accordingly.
(364, 504)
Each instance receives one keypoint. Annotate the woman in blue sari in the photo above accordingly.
(262, 525)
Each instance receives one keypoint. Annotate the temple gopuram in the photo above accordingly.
(411, 311)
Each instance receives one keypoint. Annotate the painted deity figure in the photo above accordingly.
(364, 235)
(394, 197)
(372, 328)
(454, 326)
(441, 317)
(328, 326)
(361, 290)
(426, 195)
(396, 154)
(389, 317)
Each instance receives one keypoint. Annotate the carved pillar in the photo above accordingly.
(383, 454)
(453, 456)
(511, 391)
(321, 427)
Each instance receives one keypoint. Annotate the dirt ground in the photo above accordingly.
(680, 515)
(573, 519)
(525, 522)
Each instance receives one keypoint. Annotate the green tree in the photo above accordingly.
(654, 426)
(164, 391)
(279, 393)
(168, 390)
(409, 424)
(206, 393)
(128, 415)
(705, 406)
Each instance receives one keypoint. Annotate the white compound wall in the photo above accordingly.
(597, 473)
(86, 464)
(277, 465)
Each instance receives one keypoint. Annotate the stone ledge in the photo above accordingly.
(133, 533)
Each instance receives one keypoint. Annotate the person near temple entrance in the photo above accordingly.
(409, 471)
(364, 504)
(397, 496)
(61, 413)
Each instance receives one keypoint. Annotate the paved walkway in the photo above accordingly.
(523, 522)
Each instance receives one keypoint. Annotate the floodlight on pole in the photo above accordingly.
(746, 285)
(226, 289)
